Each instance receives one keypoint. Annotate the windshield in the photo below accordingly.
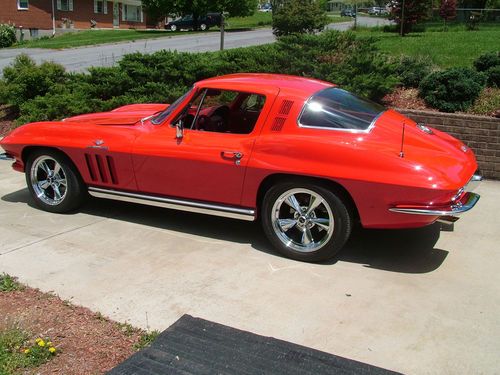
(339, 109)
(163, 115)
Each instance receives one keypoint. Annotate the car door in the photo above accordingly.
(204, 165)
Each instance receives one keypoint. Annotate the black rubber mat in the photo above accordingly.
(197, 346)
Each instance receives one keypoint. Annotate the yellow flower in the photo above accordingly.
(41, 343)
(52, 349)
(26, 351)
(49, 343)
(38, 340)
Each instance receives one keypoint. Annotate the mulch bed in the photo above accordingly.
(7, 117)
(87, 343)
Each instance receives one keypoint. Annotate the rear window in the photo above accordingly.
(335, 108)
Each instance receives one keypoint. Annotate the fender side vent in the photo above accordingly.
(278, 123)
(286, 106)
(90, 167)
(112, 169)
(100, 168)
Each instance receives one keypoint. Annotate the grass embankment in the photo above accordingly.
(455, 47)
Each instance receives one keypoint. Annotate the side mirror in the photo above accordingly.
(179, 129)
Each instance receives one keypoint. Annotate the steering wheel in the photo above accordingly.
(202, 123)
(219, 119)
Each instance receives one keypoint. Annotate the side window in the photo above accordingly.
(223, 111)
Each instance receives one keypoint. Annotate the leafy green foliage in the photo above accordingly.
(46, 92)
(453, 89)
(7, 35)
(414, 12)
(493, 76)
(298, 16)
(9, 283)
(146, 339)
(487, 61)
(412, 70)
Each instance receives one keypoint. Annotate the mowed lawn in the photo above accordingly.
(443, 48)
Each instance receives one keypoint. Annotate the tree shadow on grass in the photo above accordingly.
(405, 251)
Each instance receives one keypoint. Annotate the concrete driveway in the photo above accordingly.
(416, 301)
(79, 59)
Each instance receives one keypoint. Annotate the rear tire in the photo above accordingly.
(305, 221)
(53, 181)
(203, 27)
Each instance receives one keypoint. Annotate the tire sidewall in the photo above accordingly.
(75, 192)
(340, 212)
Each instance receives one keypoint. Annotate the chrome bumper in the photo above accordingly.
(6, 157)
(468, 201)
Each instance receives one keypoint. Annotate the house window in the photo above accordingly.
(22, 4)
(65, 5)
(132, 13)
(101, 6)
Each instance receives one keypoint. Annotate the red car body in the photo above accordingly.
(396, 173)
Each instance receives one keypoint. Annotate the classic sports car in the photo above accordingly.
(305, 157)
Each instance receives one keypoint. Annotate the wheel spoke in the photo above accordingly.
(287, 224)
(314, 202)
(43, 184)
(62, 181)
(292, 202)
(321, 223)
(57, 169)
(45, 168)
(307, 237)
(57, 192)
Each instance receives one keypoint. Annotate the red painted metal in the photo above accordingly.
(140, 156)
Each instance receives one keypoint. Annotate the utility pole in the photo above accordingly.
(355, 15)
(402, 18)
(222, 31)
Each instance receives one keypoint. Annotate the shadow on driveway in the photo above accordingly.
(403, 250)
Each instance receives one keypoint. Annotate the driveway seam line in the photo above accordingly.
(49, 237)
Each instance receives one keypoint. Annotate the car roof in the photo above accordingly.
(260, 81)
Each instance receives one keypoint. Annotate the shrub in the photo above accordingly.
(453, 89)
(493, 75)
(25, 80)
(298, 16)
(7, 35)
(412, 70)
(487, 61)
(487, 103)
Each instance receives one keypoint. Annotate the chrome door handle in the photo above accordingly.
(232, 154)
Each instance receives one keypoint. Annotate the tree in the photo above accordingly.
(161, 8)
(448, 10)
(298, 16)
(414, 11)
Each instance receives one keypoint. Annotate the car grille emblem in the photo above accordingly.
(98, 142)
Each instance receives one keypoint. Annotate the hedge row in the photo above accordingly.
(47, 92)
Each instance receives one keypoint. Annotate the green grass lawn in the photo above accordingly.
(258, 19)
(92, 37)
(456, 47)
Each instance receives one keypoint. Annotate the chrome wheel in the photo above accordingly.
(173, 27)
(48, 180)
(203, 27)
(302, 219)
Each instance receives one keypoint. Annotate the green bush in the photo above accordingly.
(453, 89)
(298, 16)
(487, 61)
(47, 92)
(7, 35)
(412, 70)
(25, 80)
(493, 75)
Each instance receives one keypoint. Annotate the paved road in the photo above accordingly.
(416, 301)
(79, 59)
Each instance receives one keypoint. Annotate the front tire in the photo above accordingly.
(173, 27)
(203, 27)
(305, 221)
(53, 181)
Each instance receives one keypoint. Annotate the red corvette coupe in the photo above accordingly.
(305, 157)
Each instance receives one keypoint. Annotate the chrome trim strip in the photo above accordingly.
(454, 210)
(7, 157)
(175, 204)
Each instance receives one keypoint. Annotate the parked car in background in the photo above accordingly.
(306, 158)
(377, 11)
(348, 12)
(205, 22)
(265, 8)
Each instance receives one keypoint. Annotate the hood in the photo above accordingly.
(126, 115)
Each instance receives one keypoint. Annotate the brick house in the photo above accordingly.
(37, 15)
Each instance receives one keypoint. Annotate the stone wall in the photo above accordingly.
(480, 133)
